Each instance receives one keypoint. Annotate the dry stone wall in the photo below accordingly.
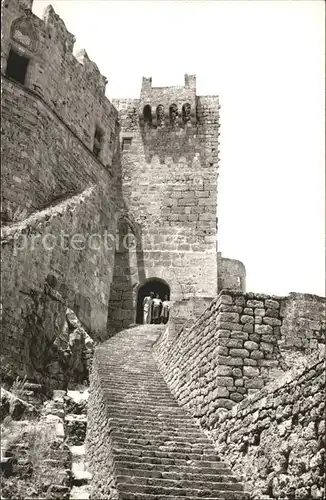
(99, 447)
(230, 352)
(275, 439)
(303, 329)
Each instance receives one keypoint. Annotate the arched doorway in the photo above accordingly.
(154, 285)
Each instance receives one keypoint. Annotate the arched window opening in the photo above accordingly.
(173, 114)
(147, 113)
(156, 286)
(160, 115)
(186, 113)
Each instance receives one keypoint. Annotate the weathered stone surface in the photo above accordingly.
(251, 346)
(263, 329)
(272, 304)
(272, 321)
(224, 381)
(246, 319)
(15, 407)
(223, 370)
(242, 353)
(248, 327)
(248, 371)
(255, 303)
(282, 447)
(257, 352)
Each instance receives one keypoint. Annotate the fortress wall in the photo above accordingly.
(169, 183)
(48, 124)
(275, 439)
(231, 274)
(99, 446)
(63, 246)
(57, 191)
(233, 349)
(303, 326)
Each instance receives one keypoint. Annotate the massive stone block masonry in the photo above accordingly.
(73, 163)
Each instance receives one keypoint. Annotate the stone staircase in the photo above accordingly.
(158, 451)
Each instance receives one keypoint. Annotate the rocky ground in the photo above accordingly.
(42, 445)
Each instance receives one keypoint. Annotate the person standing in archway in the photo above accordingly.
(147, 308)
(157, 305)
(165, 310)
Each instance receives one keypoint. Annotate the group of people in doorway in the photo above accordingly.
(155, 310)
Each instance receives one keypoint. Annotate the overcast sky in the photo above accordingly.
(265, 59)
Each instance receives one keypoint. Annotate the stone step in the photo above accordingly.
(157, 430)
(160, 438)
(175, 491)
(173, 480)
(155, 390)
(141, 405)
(79, 493)
(184, 473)
(198, 484)
(218, 496)
(175, 423)
(191, 468)
(77, 450)
(115, 411)
(79, 474)
(158, 450)
(139, 459)
(153, 449)
(146, 452)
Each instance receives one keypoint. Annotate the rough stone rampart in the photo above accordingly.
(48, 249)
(303, 328)
(98, 441)
(231, 274)
(50, 121)
(275, 439)
(230, 352)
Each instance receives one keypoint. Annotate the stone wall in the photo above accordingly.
(47, 270)
(99, 449)
(61, 198)
(169, 183)
(231, 274)
(230, 352)
(303, 328)
(275, 439)
(49, 122)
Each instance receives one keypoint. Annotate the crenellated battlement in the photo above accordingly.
(161, 106)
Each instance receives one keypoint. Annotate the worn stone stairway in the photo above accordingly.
(158, 450)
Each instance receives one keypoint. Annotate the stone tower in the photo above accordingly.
(77, 169)
(169, 168)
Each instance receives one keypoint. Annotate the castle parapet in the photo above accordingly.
(161, 107)
(38, 55)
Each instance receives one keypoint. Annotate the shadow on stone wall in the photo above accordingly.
(57, 349)
(128, 272)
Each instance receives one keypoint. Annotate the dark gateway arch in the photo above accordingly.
(155, 285)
